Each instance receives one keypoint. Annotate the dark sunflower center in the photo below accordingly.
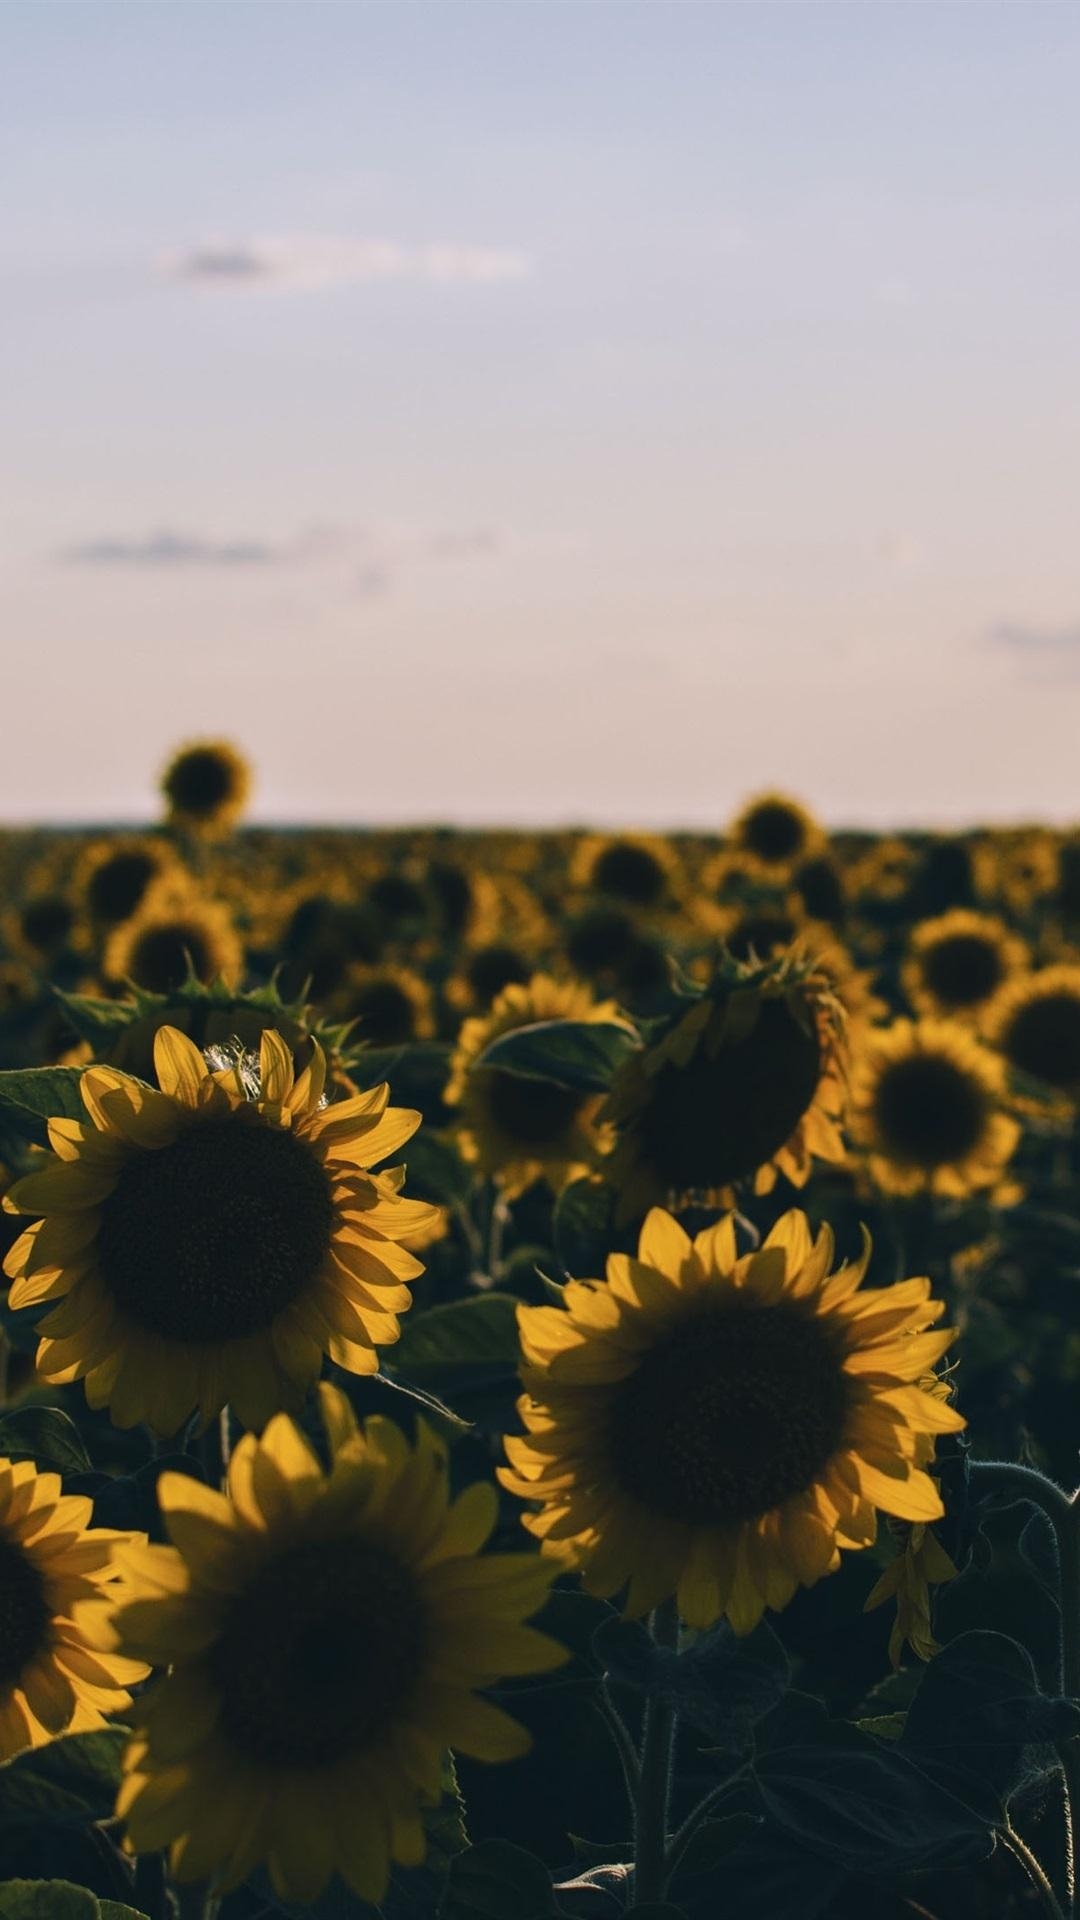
(821, 890)
(1043, 1039)
(386, 1014)
(760, 933)
(716, 1120)
(200, 781)
(47, 921)
(396, 899)
(963, 969)
(534, 1113)
(739, 1408)
(24, 1611)
(774, 831)
(210, 1238)
(119, 884)
(600, 939)
(159, 957)
(320, 1654)
(929, 1111)
(629, 873)
(492, 968)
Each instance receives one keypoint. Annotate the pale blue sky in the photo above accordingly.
(544, 409)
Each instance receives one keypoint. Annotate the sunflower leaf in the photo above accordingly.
(97, 1021)
(481, 1330)
(497, 1881)
(59, 1900)
(72, 1780)
(581, 1054)
(47, 1435)
(31, 1096)
(721, 1685)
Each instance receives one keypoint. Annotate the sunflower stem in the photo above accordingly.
(654, 1783)
(1032, 1867)
(1017, 1483)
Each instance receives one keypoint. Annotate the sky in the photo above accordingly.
(542, 411)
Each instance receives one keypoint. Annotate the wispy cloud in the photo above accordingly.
(316, 261)
(374, 557)
(1046, 643)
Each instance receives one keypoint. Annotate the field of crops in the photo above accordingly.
(541, 1373)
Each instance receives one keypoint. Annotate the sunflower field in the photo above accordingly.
(540, 1373)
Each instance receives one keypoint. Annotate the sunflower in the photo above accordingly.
(926, 1110)
(324, 1632)
(387, 1006)
(776, 834)
(51, 1679)
(485, 973)
(1035, 1023)
(175, 934)
(112, 876)
(42, 927)
(746, 1083)
(956, 963)
(208, 1243)
(638, 870)
(519, 1129)
(206, 786)
(718, 1427)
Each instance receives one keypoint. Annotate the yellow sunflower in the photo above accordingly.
(112, 876)
(638, 870)
(208, 1243)
(324, 1633)
(719, 1427)
(51, 1678)
(386, 1006)
(957, 962)
(776, 833)
(206, 786)
(1035, 1024)
(176, 932)
(927, 1110)
(746, 1084)
(525, 1130)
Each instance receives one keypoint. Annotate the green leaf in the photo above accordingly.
(58, 1900)
(436, 1170)
(48, 1435)
(31, 1096)
(497, 1881)
(885, 1726)
(721, 1685)
(72, 1780)
(97, 1021)
(581, 1054)
(714, 1840)
(481, 1330)
(978, 1708)
(585, 1231)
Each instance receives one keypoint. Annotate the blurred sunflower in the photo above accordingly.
(747, 1083)
(41, 927)
(208, 1243)
(776, 833)
(388, 1006)
(324, 1632)
(175, 933)
(206, 785)
(1035, 1024)
(525, 1130)
(1027, 869)
(638, 870)
(719, 1427)
(51, 1558)
(484, 974)
(926, 1110)
(112, 876)
(956, 963)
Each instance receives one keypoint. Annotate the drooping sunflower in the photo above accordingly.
(208, 1243)
(525, 1130)
(206, 786)
(1035, 1023)
(719, 1427)
(325, 1634)
(745, 1084)
(112, 876)
(176, 932)
(927, 1104)
(956, 963)
(776, 833)
(51, 1678)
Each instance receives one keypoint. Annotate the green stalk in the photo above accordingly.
(654, 1785)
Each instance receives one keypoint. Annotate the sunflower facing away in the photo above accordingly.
(718, 1427)
(1035, 1023)
(926, 1110)
(206, 785)
(51, 1678)
(747, 1083)
(208, 1243)
(957, 962)
(324, 1633)
(525, 1130)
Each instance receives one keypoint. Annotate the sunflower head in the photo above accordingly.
(210, 1240)
(206, 786)
(387, 1006)
(956, 963)
(636, 870)
(1035, 1023)
(322, 1633)
(113, 876)
(775, 833)
(519, 1129)
(51, 1560)
(927, 1110)
(176, 935)
(743, 1082)
(717, 1426)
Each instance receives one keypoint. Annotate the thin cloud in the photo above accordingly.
(1036, 642)
(312, 262)
(168, 550)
